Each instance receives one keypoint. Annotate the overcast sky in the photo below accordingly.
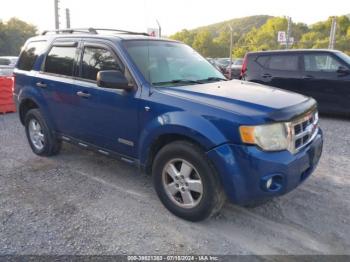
(173, 15)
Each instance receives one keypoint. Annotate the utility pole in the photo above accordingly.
(231, 46)
(67, 18)
(57, 19)
(289, 29)
(159, 29)
(332, 35)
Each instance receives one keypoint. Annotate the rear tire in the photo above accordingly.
(41, 139)
(186, 183)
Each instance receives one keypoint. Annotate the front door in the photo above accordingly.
(322, 81)
(110, 115)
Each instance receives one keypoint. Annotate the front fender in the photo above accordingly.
(195, 127)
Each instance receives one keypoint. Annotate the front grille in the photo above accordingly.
(304, 130)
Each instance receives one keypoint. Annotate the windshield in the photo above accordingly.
(345, 57)
(238, 62)
(165, 63)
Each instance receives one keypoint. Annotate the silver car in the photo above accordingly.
(7, 64)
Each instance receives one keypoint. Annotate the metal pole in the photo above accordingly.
(332, 35)
(159, 28)
(289, 19)
(67, 18)
(57, 19)
(231, 46)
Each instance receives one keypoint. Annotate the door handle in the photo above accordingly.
(266, 76)
(41, 84)
(83, 94)
(307, 77)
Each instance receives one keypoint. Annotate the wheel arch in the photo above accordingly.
(163, 140)
(26, 105)
(176, 126)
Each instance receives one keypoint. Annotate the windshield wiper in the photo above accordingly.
(178, 81)
(213, 78)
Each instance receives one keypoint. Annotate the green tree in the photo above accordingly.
(184, 36)
(259, 33)
(318, 36)
(13, 35)
(203, 43)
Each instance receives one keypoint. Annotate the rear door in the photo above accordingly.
(322, 81)
(56, 80)
(283, 71)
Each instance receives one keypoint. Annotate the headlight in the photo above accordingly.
(272, 137)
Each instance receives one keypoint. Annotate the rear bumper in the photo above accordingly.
(244, 170)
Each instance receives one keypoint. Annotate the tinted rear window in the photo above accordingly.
(30, 54)
(283, 62)
(262, 60)
(61, 60)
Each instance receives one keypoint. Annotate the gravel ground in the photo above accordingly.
(82, 203)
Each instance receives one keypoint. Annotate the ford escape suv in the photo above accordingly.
(159, 105)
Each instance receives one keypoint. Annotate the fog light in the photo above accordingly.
(272, 183)
(269, 183)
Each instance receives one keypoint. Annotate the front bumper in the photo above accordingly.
(245, 169)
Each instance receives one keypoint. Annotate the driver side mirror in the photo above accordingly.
(343, 70)
(112, 79)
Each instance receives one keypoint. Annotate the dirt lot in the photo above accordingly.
(83, 203)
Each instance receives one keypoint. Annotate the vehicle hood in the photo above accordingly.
(246, 98)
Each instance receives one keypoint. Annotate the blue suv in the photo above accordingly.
(159, 105)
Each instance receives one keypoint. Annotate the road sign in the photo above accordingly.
(281, 36)
(153, 32)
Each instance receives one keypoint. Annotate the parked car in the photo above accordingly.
(158, 105)
(212, 61)
(236, 68)
(222, 63)
(7, 64)
(321, 74)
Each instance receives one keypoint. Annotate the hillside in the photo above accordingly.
(213, 40)
(255, 33)
(239, 25)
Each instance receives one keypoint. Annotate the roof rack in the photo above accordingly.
(91, 30)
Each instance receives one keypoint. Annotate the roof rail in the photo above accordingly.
(91, 30)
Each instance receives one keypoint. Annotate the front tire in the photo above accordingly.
(186, 183)
(41, 139)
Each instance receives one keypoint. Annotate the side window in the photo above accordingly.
(61, 60)
(97, 59)
(283, 62)
(262, 60)
(5, 62)
(320, 63)
(30, 54)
